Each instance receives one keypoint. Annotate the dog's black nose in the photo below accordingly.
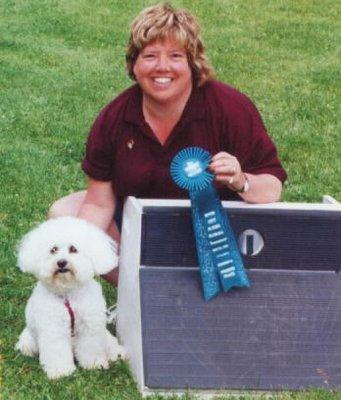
(61, 264)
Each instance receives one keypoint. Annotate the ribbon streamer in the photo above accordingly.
(221, 265)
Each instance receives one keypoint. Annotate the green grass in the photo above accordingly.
(61, 61)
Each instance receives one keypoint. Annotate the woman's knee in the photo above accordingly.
(67, 206)
(57, 210)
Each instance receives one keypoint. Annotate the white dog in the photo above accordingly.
(65, 315)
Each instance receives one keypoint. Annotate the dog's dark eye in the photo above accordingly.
(72, 249)
(54, 250)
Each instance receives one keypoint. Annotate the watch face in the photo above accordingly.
(246, 186)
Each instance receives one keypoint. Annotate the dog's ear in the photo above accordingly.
(103, 251)
(28, 252)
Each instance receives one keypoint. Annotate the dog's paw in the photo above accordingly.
(97, 361)
(60, 371)
(114, 350)
(26, 344)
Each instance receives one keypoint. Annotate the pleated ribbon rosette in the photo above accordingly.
(221, 265)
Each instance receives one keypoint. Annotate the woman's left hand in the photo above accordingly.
(227, 170)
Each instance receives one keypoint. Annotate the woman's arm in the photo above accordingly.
(99, 204)
(98, 207)
(263, 188)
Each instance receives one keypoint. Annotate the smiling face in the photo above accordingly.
(163, 72)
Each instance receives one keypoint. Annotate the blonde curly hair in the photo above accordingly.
(160, 22)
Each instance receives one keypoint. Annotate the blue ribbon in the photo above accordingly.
(221, 266)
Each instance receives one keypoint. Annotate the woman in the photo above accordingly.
(175, 103)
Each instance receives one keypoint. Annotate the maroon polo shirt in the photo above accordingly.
(123, 149)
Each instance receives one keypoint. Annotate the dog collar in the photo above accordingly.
(72, 316)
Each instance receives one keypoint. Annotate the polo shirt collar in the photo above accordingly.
(195, 108)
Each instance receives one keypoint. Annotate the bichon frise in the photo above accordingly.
(66, 313)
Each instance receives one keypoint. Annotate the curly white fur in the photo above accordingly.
(65, 254)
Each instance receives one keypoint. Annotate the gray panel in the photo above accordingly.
(294, 239)
(282, 333)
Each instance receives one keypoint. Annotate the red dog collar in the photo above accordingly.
(72, 316)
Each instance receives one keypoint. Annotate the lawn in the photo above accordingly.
(62, 61)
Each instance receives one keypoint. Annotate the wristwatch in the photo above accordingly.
(245, 187)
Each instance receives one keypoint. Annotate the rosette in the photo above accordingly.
(221, 265)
